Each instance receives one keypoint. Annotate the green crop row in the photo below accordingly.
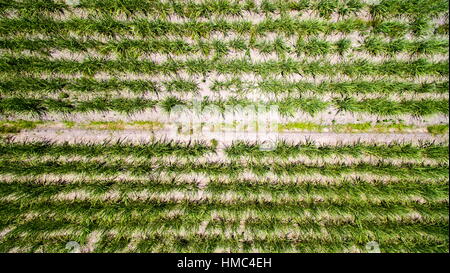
(237, 149)
(32, 85)
(127, 48)
(286, 107)
(285, 150)
(392, 191)
(277, 86)
(208, 8)
(432, 195)
(150, 149)
(157, 212)
(154, 28)
(28, 85)
(87, 168)
(91, 66)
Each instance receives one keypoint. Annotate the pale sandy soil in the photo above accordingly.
(224, 138)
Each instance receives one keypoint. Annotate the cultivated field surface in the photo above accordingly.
(224, 126)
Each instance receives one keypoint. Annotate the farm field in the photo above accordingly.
(224, 126)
